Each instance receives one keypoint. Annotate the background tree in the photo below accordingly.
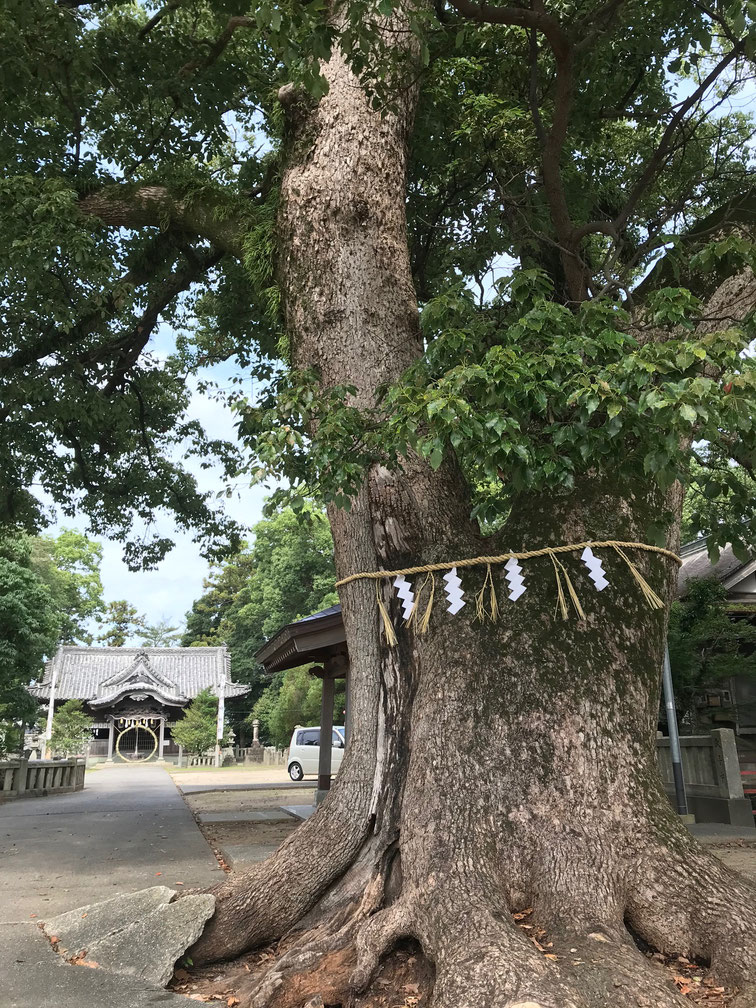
(29, 628)
(203, 622)
(285, 574)
(71, 729)
(292, 698)
(121, 621)
(69, 564)
(197, 729)
(709, 641)
(302, 180)
(161, 634)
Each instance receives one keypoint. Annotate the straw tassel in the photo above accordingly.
(648, 592)
(387, 627)
(425, 621)
(412, 620)
(480, 599)
(562, 601)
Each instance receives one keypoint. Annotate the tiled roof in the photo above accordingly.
(82, 672)
(696, 564)
(318, 615)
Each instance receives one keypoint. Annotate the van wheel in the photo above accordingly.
(296, 772)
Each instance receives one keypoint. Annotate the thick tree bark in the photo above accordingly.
(492, 767)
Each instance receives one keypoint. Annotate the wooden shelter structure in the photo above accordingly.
(320, 639)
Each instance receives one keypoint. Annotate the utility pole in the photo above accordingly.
(674, 737)
(221, 717)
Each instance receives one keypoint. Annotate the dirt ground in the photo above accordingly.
(263, 833)
(738, 855)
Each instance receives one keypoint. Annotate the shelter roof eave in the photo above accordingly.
(313, 638)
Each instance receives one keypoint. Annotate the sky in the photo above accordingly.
(167, 592)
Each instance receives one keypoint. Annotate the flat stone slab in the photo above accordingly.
(140, 935)
(77, 929)
(259, 815)
(299, 811)
(33, 976)
(238, 855)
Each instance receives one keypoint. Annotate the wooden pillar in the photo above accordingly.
(347, 710)
(111, 740)
(326, 739)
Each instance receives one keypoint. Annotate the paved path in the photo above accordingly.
(128, 829)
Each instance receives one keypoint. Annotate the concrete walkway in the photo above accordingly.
(127, 830)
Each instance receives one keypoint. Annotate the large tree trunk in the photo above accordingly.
(492, 767)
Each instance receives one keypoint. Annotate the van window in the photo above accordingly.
(310, 736)
(338, 741)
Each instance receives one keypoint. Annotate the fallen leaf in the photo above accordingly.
(32, 915)
(54, 939)
(232, 1001)
(550, 955)
(158, 873)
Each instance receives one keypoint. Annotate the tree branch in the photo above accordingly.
(156, 18)
(666, 142)
(154, 206)
(553, 140)
(217, 47)
(128, 348)
(522, 17)
(738, 212)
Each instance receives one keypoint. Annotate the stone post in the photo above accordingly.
(111, 740)
(180, 757)
(256, 732)
(23, 773)
(726, 761)
(161, 741)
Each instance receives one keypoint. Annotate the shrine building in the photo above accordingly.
(135, 695)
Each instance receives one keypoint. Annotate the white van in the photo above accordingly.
(304, 751)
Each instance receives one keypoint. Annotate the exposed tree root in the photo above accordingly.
(481, 956)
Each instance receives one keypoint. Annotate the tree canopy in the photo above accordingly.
(709, 641)
(71, 729)
(160, 634)
(196, 730)
(600, 148)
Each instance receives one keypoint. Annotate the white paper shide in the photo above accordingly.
(405, 593)
(454, 591)
(595, 568)
(514, 578)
